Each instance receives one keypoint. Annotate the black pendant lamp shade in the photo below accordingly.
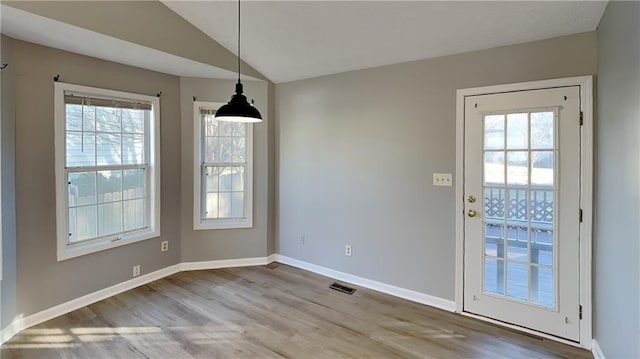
(238, 109)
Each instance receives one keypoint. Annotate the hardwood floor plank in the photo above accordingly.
(273, 311)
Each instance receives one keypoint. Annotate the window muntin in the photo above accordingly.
(223, 188)
(107, 159)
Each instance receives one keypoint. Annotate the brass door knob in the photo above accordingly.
(471, 213)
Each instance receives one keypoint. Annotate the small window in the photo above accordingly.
(223, 171)
(107, 168)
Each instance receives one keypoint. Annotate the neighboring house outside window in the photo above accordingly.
(223, 169)
(107, 168)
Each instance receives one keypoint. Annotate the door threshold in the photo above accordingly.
(527, 330)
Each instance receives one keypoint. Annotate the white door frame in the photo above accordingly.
(586, 195)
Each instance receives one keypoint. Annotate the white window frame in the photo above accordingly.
(66, 250)
(198, 161)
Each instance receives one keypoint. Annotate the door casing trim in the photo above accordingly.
(586, 192)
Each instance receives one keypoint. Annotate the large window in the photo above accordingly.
(107, 168)
(223, 171)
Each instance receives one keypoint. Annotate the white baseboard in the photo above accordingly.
(408, 294)
(20, 323)
(224, 263)
(11, 330)
(96, 296)
(596, 350)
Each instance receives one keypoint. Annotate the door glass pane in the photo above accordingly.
(542, 285)
(542, 169)
(517, 131)
(542, 130)
(494, 132)
(494, 203)
(517, 280)
(494, 240)
(494, 168)
(517, 205)
(494, 276)
(542, 246)
(542, 207)
(518, 243)
(518, 168)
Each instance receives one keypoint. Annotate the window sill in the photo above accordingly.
(205, 225)
(80, 249)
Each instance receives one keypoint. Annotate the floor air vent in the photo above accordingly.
(341, 288)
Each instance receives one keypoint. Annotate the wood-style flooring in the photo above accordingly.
(273, 311)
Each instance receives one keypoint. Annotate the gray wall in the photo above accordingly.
(204, 245)
(146, 23)
(617, 238)
(42, 281)
(8, 299)
(357, 151)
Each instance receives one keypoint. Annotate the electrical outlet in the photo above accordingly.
(442, 179)
(347, 250)
(164, 246)
(136, 270)
(302, 239)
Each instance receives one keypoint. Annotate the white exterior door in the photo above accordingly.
(522, 209)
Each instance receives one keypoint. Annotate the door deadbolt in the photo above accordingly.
(471, 199)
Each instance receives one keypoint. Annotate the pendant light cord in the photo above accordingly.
(238, 41)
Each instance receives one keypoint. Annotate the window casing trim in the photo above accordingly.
(64, 249)
(227, 223)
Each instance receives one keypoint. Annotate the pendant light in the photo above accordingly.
(238, 109)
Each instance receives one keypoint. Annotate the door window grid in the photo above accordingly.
(519, 207)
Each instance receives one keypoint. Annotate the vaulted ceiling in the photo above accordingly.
(292, 40)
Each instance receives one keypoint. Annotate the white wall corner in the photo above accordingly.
(418, 297)
(596, 350)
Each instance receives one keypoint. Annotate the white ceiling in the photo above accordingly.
(292, 40)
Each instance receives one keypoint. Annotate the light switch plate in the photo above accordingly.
(442, 179)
